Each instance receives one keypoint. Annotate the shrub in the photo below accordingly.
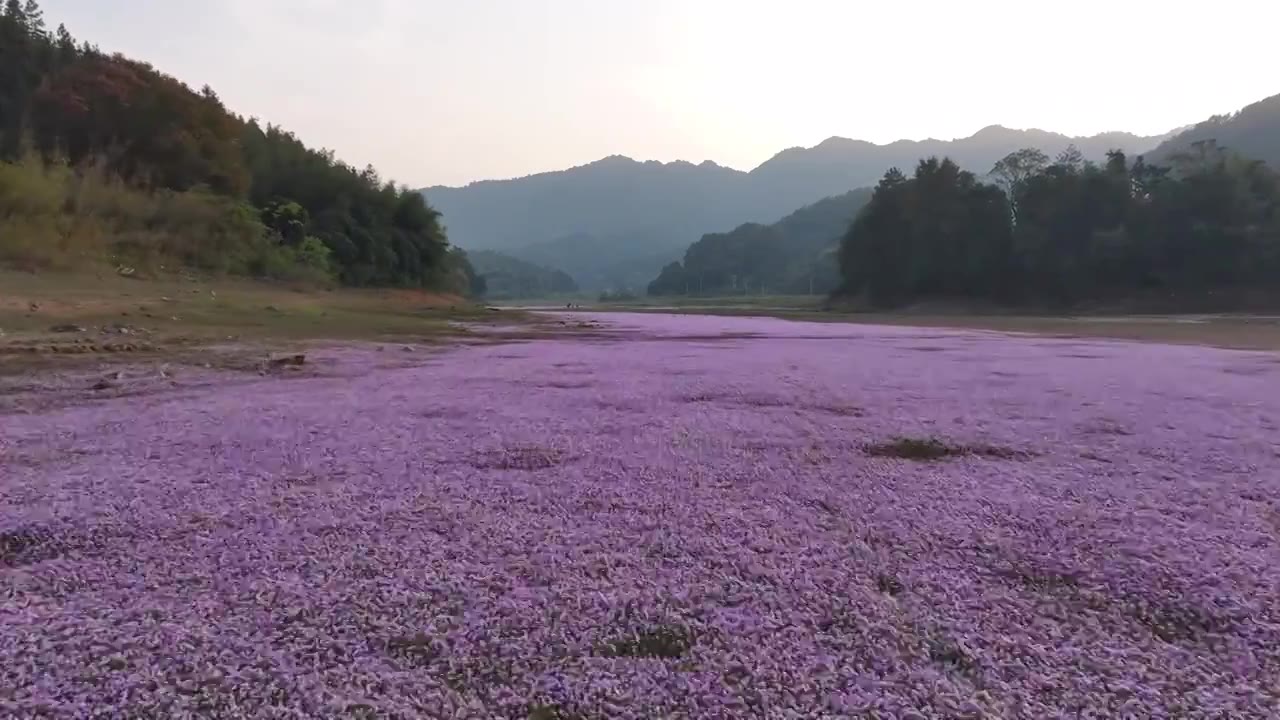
(53, 218)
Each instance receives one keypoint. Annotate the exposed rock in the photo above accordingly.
(281, 361)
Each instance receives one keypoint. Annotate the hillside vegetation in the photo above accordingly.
(796, 255)
(616, 222)
(1068, 230)
(1192, 226)
(1253, 132)
(108, 161)
(507, 278)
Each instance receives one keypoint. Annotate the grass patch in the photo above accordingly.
(1105, 427)
(755, 400)
(952, 657)
(195, 321)
(1247, 370)
(553, 712)
(566, 384)
(826, 507)
(518, 458)
(933, 449)
(444, 413)
(1042, 580)
(24, 546)
(417, 649)
(763, 401)
(664, 641)
(889, 585)
(621, 405)
(1177, 623)
(841, 621)
(838, 410)
(55, 218)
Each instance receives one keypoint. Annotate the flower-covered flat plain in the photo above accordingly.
(683, 516)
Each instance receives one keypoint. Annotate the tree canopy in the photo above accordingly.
(1067, 230)
(794, 255)
(1252, 132)
(72, 104)
(507, 278)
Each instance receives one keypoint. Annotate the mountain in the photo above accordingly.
(619, 262)
(508, 278)
(800, 175)
(639, 215)
(594, 221)
(795, 255)
(1253, 132)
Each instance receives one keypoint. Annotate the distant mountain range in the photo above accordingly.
(509, 278)
(614, 223)
(797, 255)
(1253, 132)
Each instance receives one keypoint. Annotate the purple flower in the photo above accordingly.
(677, 517)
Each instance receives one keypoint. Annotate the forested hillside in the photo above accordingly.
(108, 160)
(795, 255)
(509, 278)
(1067, 230)
(1253, 132)
(640, 215)
(610, 224)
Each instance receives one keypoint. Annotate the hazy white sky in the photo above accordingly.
(449, 91)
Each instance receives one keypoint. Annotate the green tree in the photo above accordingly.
(1013, 171)
(1209, 222)
(673, 280)
(939, 233)
(794, 255)
(144, 130)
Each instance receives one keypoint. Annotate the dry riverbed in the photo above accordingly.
(638, 516)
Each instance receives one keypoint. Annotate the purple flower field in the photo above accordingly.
(677, 516)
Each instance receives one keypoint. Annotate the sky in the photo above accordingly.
(451, 91)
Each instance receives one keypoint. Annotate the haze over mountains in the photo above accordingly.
(795, 256)
(1253, 132)
(615, 222)
(507, 278)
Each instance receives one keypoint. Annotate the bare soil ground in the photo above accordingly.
(72, 339)
(35, 303)
(1242, 331)
(67, 339)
